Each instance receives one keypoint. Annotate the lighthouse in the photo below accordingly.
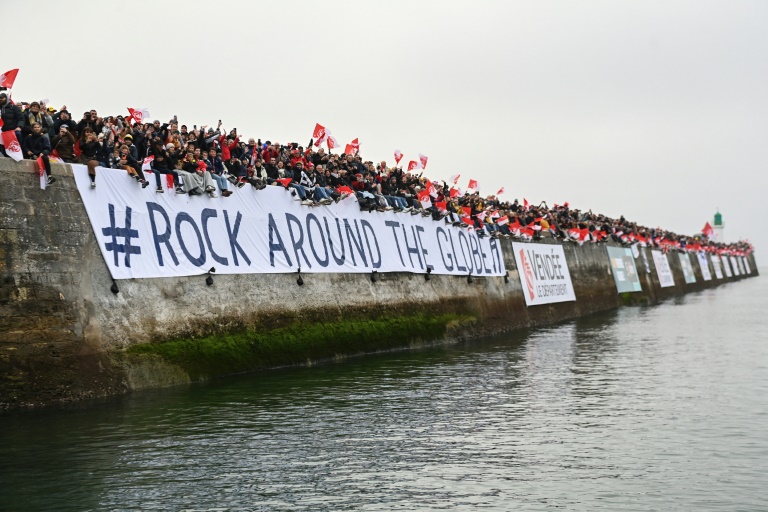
(718, 227)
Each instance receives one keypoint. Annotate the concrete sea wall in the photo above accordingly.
(65, 336)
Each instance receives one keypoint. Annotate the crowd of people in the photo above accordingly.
(206, 160)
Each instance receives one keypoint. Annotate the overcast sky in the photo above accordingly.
(657, 110)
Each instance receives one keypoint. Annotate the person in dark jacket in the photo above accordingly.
(13, 119)
(36, 145)
(64, 144)
(89, 149)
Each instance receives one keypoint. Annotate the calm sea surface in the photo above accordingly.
(657, 408)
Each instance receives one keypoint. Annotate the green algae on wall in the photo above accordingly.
(296, 344)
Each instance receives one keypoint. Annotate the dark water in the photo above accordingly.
(660, 408)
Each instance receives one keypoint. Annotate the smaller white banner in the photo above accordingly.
(717, 265)
(543, 273)
(726, 266)
(662, 269)
(685, 262)
(704, 265)
(735, 264)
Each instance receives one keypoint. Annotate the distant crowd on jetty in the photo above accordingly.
(205, 160)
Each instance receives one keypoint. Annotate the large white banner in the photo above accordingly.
(704, 265)
(662, 269)
(716, 265)
(145, 234)
(735, 264)
(543, 273)
(685, 263)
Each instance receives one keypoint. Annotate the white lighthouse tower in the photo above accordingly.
(718, 227)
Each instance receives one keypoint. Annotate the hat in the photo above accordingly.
(3, 95)
(169, 146)
(129, 136)
(51, 109)
(65, 111)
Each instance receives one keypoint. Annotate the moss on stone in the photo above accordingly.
(297, 343)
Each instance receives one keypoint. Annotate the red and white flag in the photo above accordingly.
(441, 206)
(412, 165)
(482, 215)
(41, 172)
(7, 78)
(472, 187)
(423, 159)
(146, 165)
(455, 192)
(138, 114)
(352, 148)
(502, 220)
(398, 156)
(455, 179)
(429, 187)
(319, 131)
(322, 138)
(526, 205)
(501, 191)
(12, 147)
(423, 196)
(332, 142)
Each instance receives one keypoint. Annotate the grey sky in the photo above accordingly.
(652, 109)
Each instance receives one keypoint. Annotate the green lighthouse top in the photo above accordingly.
(718, 219)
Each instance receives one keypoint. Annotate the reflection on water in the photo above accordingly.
(660, 408)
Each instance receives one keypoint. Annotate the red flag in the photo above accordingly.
(526, 205)
(454, 192)
(455, 178)
(345, 190)
(332, 142)
(423, 159)
(467, 210)
(355, 144)
(319, 131)
(423, 196)
(169, 181)
(502, 220)
(430, 189)
(349, 150)
(1, 123)
(441, 206)
(708, 231)
(284, 181)
(398, 156)
(411, 165)
(467, 220)
(472, 187)
(501, 191)
(12, 147)
(7, 78)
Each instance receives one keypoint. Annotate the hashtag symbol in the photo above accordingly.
(126, 233)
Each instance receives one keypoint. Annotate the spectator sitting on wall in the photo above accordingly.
(64, 144)
(36, 145)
